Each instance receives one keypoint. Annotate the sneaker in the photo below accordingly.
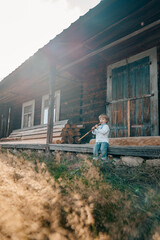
(104, 159)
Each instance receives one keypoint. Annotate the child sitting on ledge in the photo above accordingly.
(101, 131)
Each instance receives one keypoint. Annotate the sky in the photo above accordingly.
(27, 25)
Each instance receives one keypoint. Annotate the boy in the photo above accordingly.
(101, 131)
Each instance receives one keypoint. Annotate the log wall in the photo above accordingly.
(70, 97)
(94, 94)
(5, 120)
(83, 98)
(16, 115)
(94, 90)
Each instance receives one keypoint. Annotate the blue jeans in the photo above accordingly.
(103, 147)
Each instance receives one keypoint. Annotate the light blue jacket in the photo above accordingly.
(102, 133)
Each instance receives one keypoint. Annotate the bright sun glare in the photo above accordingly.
(27, 25)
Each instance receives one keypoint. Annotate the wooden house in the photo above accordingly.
(108, 61)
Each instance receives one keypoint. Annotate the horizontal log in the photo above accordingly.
(70, 140)
(133, 141)
(59, 131)
(76, 140)
(9, 139)
(67, 126)
(147, 151)
(37, 130)
(76, 129)
(65, 133)
(70, 133)
(76, 134)
(142, 151)
(80, 126)
(42, 136)
(57, 140)
(63, 122)
(73, 126)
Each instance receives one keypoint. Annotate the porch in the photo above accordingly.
(147, 151)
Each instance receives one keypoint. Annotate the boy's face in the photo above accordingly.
(102, 120)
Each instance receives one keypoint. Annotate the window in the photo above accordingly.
(45, 107)
(28, 114)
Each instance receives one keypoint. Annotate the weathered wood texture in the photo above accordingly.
(93, 97)
(81, 101)
(147, 151)
(94, 93)
(5, 119)
(112, 22)
(63, 132)
(71, 100)
(131, 104)
(132, 141)
(83, 88)
(52, 80)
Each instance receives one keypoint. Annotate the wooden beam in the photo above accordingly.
(9, 120)
(131, 99)
(133, 34)
(126, 18)
(141, 151)
(129, 118)
(52, 80)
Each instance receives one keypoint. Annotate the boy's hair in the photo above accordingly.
(104, 116)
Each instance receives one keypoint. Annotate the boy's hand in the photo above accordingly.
(94, 127)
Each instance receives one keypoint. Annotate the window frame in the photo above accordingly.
(25, 104)
(44, 97)
(56, 109)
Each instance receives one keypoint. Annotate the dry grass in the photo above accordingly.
(33, 207)
(67, 196)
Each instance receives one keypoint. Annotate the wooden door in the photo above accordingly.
(139, 89)
(118, 107)
(129, 99)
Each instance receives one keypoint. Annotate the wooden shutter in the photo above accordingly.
(132, 96)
